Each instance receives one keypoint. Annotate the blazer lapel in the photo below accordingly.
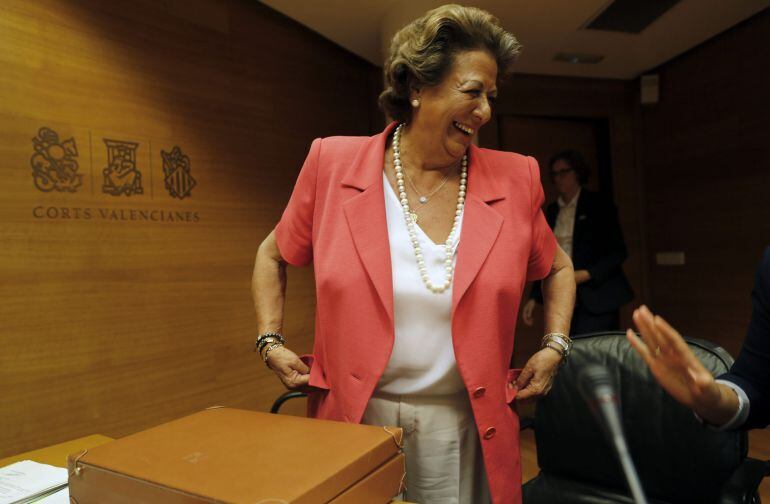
(481, 224)
(365, 215)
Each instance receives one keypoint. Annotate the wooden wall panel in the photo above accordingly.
(113, 320)
(707, 168)
(542, 138)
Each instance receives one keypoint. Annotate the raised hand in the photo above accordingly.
(678, 371)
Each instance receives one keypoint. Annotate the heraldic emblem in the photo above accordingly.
(121, 175)
(176, 172)
(53, 164)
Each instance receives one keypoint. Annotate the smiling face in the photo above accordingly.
(451, 112)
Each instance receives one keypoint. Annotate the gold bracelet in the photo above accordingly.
(269, 349)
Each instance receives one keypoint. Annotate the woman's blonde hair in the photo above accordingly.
(423, 51)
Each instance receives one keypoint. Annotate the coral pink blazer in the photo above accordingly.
(336, 220)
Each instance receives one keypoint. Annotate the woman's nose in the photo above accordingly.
(483, 112)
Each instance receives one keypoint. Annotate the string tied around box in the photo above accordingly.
(76, 469)
(396, 438)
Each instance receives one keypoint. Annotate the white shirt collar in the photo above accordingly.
(572, 203)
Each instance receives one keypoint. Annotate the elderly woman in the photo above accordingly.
(422, 244)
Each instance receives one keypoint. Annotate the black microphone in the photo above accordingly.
(596, 387)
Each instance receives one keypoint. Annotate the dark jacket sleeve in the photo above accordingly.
(751, 370)
(615, 252)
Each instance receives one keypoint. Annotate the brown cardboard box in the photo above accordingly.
(378, 482)
(236, 456)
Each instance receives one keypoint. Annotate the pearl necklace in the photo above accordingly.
(410, 221)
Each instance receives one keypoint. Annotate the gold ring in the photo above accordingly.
(657, 351)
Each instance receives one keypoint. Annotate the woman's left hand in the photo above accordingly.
(537, 376)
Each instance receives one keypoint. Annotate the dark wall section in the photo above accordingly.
(705, 148)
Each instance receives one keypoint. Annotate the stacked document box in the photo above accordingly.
(227, 455)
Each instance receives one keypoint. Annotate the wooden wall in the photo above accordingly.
(706, 158)
(121, 311)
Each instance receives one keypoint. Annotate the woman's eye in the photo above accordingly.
(473, 92)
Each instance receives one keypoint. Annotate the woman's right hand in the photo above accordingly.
(527, 312)
(293, 373)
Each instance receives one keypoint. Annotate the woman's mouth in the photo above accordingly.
(466, 130)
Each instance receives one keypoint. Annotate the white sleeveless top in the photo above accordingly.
(423, 360)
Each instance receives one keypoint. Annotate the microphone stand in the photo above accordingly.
(595, 384)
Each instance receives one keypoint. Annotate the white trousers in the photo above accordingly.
(444, 463)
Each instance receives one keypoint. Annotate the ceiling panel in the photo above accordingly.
(544, 27)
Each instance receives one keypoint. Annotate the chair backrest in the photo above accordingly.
(678, 458)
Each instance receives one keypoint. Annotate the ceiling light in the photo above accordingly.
(577, 58)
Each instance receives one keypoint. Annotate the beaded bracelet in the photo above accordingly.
(258, 346)
(266, 342)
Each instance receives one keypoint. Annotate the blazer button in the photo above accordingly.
(479, 392)
(490, 433)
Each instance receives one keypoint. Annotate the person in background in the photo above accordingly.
(421, 244)
(737, 399)
(586, 226)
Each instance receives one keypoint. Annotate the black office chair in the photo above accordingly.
(679, 460)
(285, 397)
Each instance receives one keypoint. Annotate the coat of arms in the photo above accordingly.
(53, 164)
(121, 175)
(176, 173)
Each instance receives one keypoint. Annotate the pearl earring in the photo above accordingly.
(415, 103)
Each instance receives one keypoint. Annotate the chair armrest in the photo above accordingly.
(742, 486)
(285, 397)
